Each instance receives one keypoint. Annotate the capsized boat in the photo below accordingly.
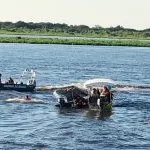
(77, 97)
(71, 97)
(21, 86)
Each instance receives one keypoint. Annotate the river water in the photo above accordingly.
(40, 125)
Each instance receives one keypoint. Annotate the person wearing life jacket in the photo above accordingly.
(105, 93)
(27, 98)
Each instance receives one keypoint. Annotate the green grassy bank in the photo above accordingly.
(116, 42)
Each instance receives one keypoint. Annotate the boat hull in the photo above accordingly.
(18, 87)
(67, 97)
(105, 107)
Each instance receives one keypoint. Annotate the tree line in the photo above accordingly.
(77, 30)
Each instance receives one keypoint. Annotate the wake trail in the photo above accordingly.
(21, 100)
(132, 88)
(98, 82)
(52, 88)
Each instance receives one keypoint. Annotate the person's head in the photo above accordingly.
(27, 96)
(105, 88)
(94, 89)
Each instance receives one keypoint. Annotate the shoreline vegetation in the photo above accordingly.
(79, 34)
(96, 42)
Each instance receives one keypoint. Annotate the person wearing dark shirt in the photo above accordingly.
(11, 81)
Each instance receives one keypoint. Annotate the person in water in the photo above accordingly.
(106, 93)
(27, 98)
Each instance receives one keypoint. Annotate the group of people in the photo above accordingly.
(80, 102)
(10, 81)
(104, 94)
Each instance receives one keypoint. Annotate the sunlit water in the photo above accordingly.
(42, 126)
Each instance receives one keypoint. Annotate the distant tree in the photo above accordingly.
(20, 24)
(147, 34)
(63, 29)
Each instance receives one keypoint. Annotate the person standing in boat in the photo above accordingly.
(11, 81)
(98, 92)
(106, 94)
(94, 96)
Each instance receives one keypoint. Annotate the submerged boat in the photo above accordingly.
(71, 97)
(20, 86)
(75, 97)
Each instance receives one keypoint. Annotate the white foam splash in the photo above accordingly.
(131, 89)
(56, 94)
(55, 87)
(125, 89)
(22, 100)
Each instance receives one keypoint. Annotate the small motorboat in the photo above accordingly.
(20, 86)
(71, 97)
(76, 97)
